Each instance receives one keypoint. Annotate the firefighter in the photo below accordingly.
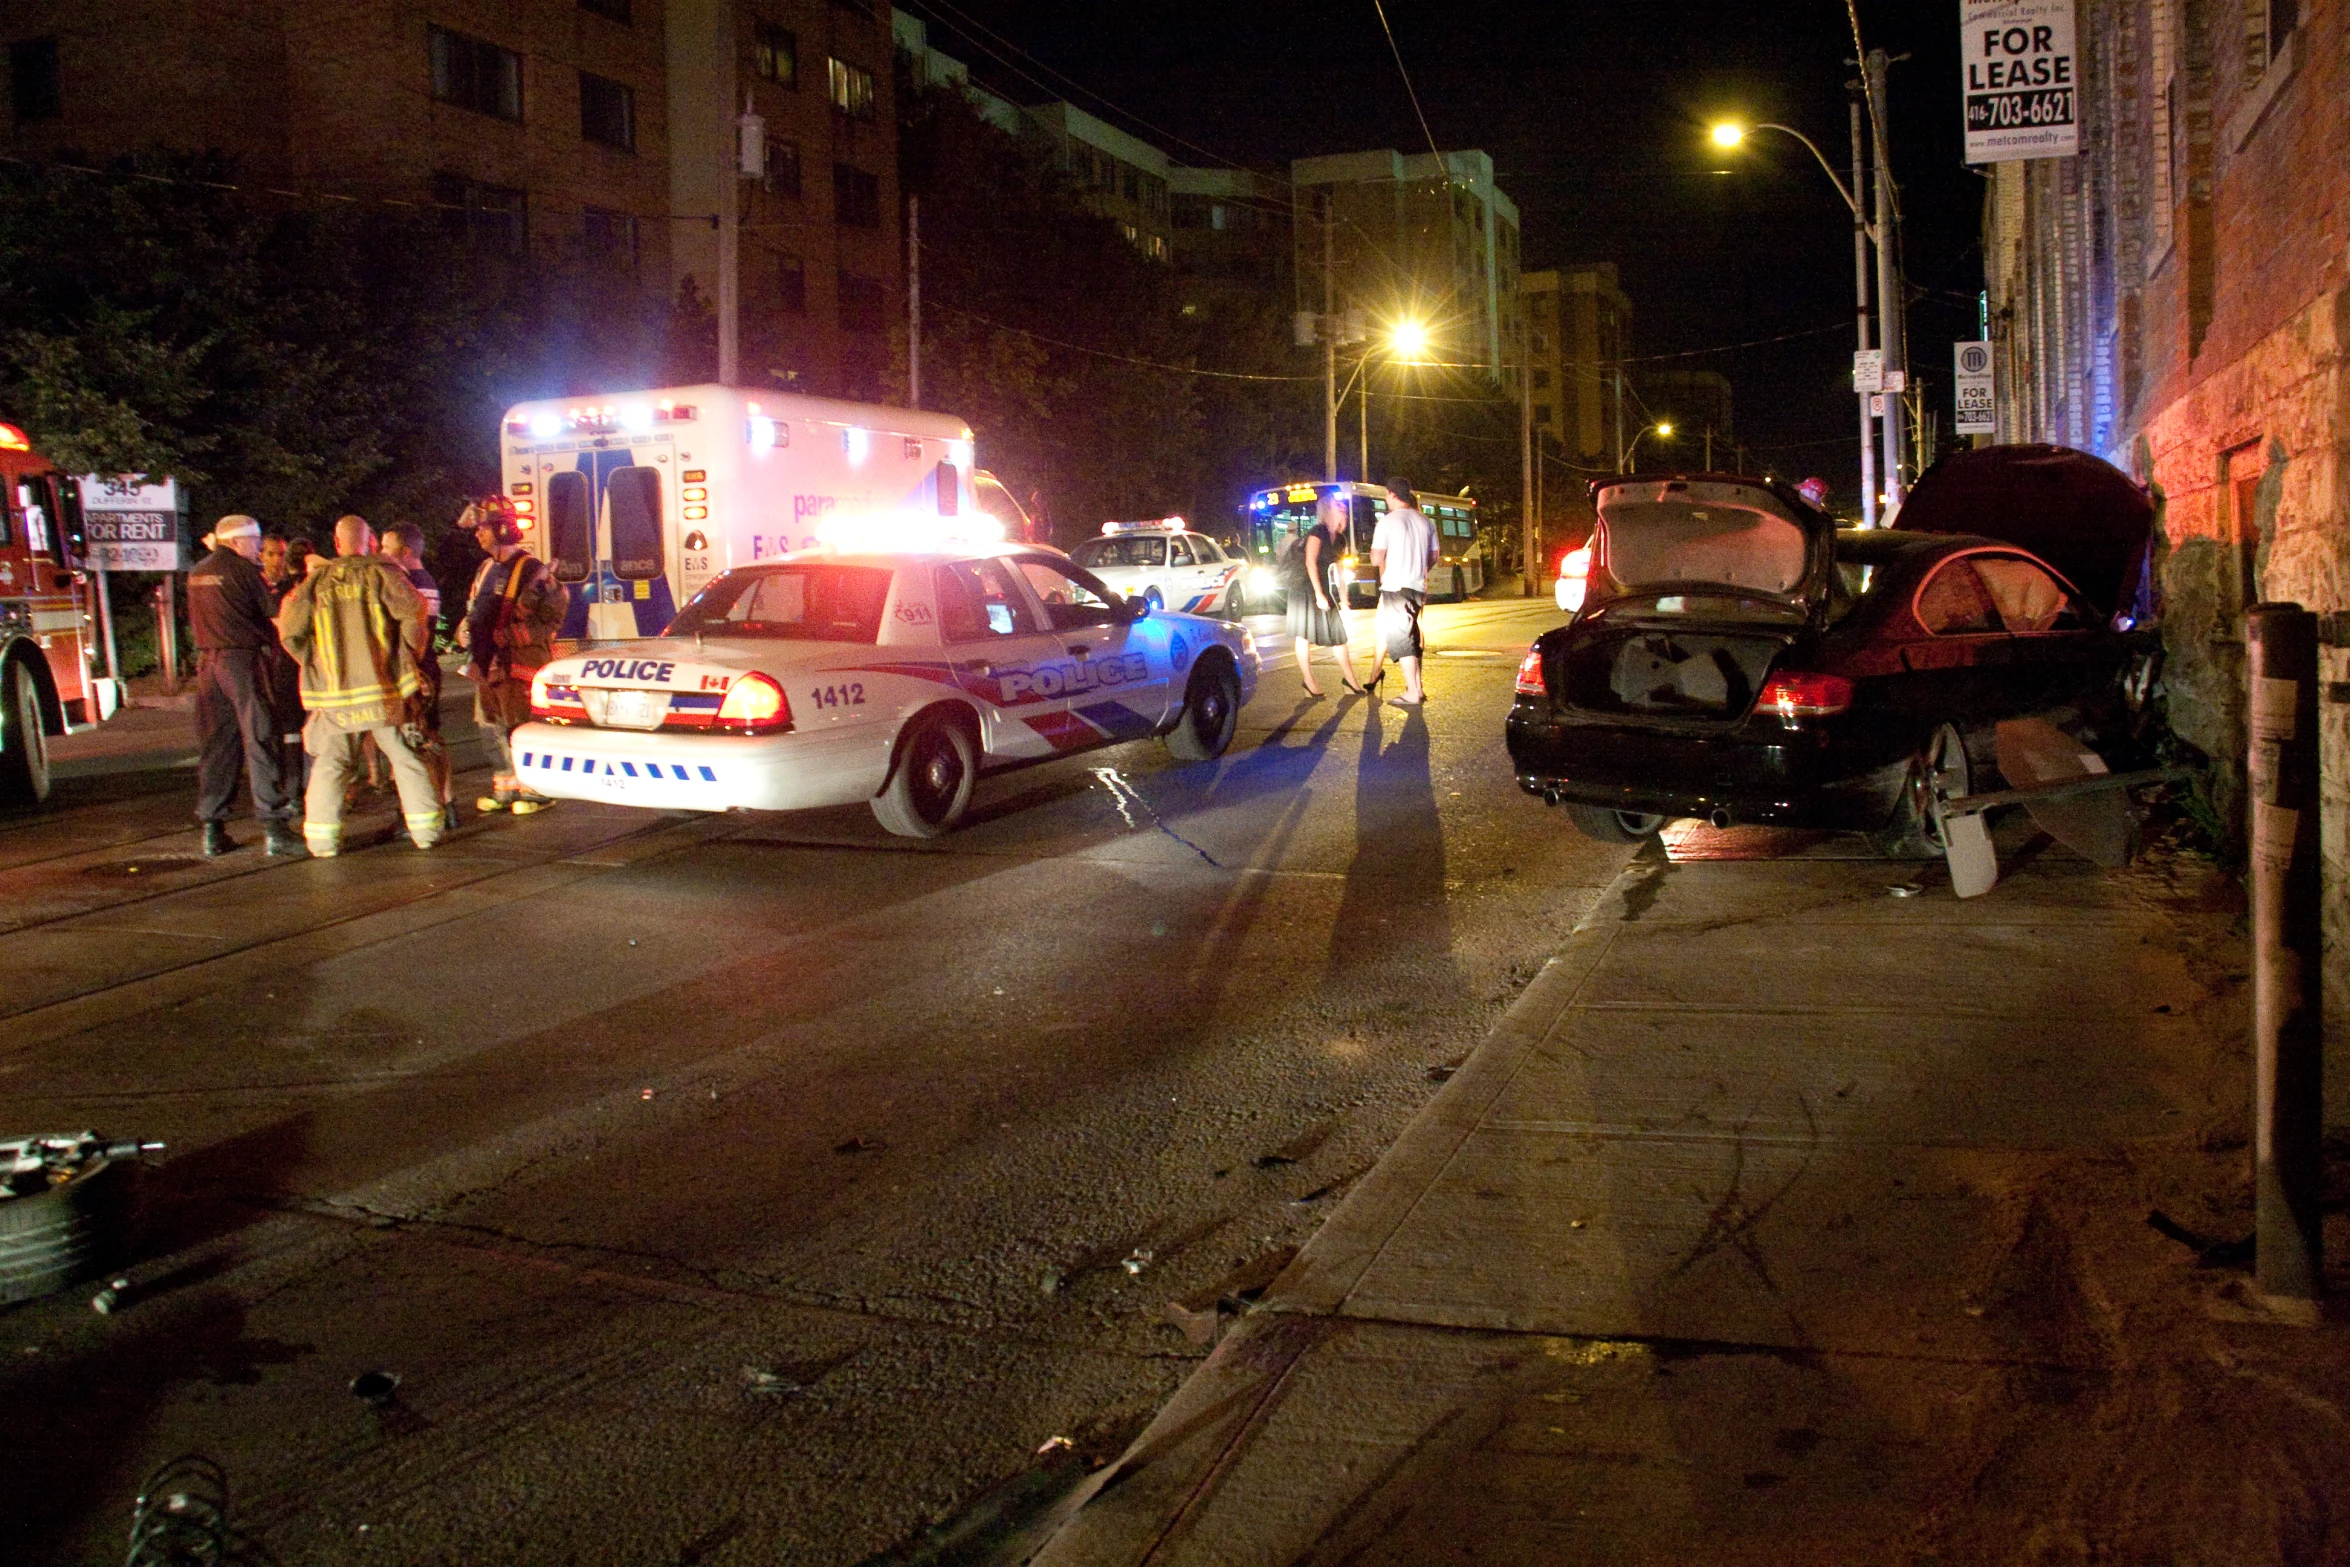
(359, 630)
(512, 613)
(229, 609)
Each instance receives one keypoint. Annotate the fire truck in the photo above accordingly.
(45, 682)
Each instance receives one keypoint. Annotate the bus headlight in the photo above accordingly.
(1260, 580)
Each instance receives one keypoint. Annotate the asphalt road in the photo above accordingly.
(756, 1188)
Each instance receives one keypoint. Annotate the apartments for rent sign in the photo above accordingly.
(2023, 79)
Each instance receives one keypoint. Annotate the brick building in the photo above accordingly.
(2175, 299)
(587, 134)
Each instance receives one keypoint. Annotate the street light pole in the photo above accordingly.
(1860, 294)
(1329, 343)
(1889, 311)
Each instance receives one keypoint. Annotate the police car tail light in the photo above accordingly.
(754, 705)
(1530, 681)
(555, 702)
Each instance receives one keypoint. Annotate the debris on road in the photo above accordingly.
(1051, 1280)
(112, 1298)
(769, 1384)
(645, 1093)
(1137, 1259)
(63, 1210)
(181, 1516)
(1271, 1161)
(1198, 1313)
(1441, 1074)
(2209, 1253)
(859, 1145)
(376, 1387)
(1903, 889)
(1056, 1444)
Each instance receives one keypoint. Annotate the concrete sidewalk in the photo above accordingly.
(1787, 1217)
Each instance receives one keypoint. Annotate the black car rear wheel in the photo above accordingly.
(1611, 826)
(1937, 773)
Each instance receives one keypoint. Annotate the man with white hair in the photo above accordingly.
(229, 609)
(358, 627)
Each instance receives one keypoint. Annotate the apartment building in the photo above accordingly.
(1428, 238)
(1580, 330)
(1122, 177)
(591, 136)
(2176, 299)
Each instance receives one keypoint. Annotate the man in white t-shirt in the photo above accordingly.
(1403, 547)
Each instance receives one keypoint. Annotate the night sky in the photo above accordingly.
(1595, 116)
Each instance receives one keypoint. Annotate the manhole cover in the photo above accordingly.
(143, 867)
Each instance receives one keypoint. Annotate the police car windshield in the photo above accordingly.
(1132, 549)
(809, 602)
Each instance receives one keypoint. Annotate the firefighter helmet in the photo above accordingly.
(496, 513)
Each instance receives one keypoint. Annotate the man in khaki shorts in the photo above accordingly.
(1403, 547)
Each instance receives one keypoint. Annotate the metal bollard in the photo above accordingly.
(2287, 1002)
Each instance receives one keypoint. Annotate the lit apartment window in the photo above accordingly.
(611, 10)
(32, 80)
(490, 217)
(475, 75)
(856, 197)
(610, 240)
(783, 169)
(776, 52)
(607, 113)
(851, 88)
(862, 307)
(791, 285)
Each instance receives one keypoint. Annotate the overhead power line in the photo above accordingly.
(1724, 348)
(1103, 353)
(1409, 89)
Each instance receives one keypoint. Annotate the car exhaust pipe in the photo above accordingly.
(1720, 816)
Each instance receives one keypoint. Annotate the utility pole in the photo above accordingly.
(1363, 413)
(1860, 294)
(913, 301)
(1619, 381)
(1529, 545)
(730, 223)
(1889, 304)
(1329, 339)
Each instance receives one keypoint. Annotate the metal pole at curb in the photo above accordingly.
(2288, 1035)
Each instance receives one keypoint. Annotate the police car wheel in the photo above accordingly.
(1211, 712)
(24, 746)
(930, 788)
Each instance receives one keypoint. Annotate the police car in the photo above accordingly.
(1164, 563)
(891, 675)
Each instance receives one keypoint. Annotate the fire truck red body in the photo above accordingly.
(45, 679)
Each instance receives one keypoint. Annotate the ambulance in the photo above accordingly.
(638, 499)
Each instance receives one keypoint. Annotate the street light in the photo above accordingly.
(1663, 431)
(1729, 134)
(1407, 340)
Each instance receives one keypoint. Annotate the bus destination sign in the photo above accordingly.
(2022, 80)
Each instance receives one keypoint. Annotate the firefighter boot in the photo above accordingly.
(324, 839)
(283, 840)
(216, 839)
(424, 827)
(503, 788)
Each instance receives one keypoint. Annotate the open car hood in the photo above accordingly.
(1716, 537)
(2077, 512)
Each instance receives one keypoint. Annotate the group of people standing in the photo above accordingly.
(1403, 548)
(312, 668)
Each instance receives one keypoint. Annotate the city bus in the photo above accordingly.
(1284, 511)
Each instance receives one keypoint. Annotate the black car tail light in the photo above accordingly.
(1530, 682)
(1789, 694)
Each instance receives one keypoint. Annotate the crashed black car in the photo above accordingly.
(1739, 658)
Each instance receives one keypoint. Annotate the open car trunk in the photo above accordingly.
(1697, 586)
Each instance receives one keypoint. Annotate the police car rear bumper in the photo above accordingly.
(679, 772)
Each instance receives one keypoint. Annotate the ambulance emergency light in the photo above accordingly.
(602, 419)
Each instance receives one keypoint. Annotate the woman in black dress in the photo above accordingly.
(1317, 603)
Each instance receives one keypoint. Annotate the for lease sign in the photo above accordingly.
(2022, 79)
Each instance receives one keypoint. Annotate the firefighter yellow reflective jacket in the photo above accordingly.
(355, 625)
